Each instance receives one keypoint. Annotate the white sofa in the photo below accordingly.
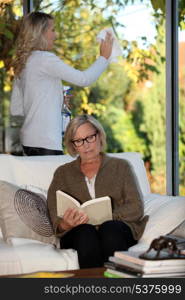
(24, 255)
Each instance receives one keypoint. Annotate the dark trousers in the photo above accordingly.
(29, 151)
(94, 246)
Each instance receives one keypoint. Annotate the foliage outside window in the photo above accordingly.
(129, 98)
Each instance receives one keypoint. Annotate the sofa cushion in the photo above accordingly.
(31, 170)
(179, 230)
(166, 213)
(27, 255)
(24, 214)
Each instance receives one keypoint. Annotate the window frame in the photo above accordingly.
(172, 99)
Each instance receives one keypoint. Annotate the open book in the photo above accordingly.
(98, 210)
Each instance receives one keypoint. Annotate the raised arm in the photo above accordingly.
(54, 66)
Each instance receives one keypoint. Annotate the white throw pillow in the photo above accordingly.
(165, 214)
(179, 230)
(24, 214)
(165, 218)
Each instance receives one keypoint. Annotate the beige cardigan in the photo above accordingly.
(115, 178)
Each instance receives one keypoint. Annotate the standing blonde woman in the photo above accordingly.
(37, 90)
(94, 174)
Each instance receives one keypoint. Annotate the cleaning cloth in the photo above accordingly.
(116, 49)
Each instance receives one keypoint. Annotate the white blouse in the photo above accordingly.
(91, 185)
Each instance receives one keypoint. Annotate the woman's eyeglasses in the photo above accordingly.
(89, 139)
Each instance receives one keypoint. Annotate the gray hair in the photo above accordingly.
(75, 124)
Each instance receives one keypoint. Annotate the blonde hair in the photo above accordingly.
(75, 124)
(30, 38)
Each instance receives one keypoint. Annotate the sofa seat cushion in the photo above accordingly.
(27, 256)
(24, 214)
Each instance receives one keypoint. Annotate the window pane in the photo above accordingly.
(181, 100)
(129, 97)
(9, 22)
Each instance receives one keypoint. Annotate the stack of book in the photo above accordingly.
(129, 264)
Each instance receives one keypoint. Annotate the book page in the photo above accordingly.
(94, 201)
(98, 210)
(65, 201)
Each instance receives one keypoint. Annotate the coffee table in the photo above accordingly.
(87, 273)
(80, 273)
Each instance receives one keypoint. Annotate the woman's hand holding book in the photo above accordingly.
(72, 218)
